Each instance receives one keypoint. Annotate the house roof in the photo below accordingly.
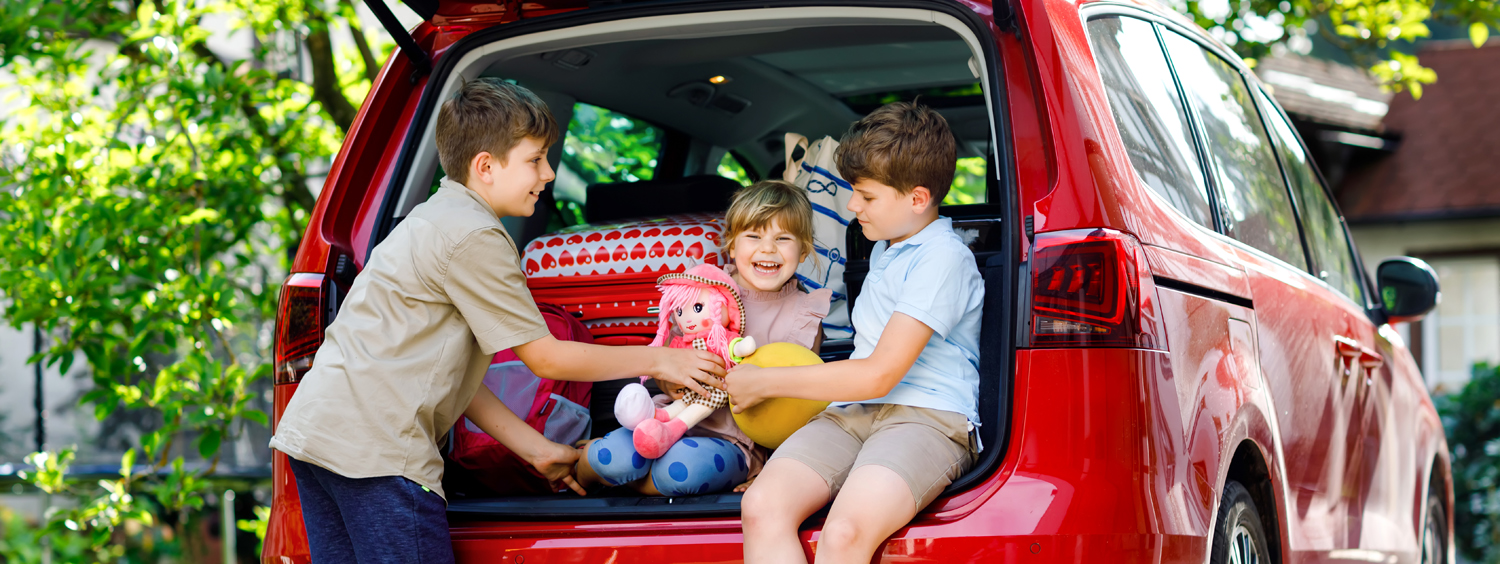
(1325, 92)
(1448, 164)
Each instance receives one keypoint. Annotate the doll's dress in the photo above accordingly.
(716, 398)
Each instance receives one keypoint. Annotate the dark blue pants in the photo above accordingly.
(371, 520)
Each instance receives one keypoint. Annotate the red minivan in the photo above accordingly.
(1182, 358)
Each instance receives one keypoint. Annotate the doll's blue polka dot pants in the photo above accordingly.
(695, 465)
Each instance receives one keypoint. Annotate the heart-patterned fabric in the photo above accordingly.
(672, 243)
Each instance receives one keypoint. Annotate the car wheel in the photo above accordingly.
(1435, 533)
(1239, 537)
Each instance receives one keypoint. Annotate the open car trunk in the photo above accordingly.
(713, 87)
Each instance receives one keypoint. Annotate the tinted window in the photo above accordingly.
(602, 146)
(1332, 258)
(969, 182)
(1257, 210)
(1149, 112)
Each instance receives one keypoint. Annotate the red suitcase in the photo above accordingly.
(605, 274)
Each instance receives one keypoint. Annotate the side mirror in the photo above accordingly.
(1408, 289)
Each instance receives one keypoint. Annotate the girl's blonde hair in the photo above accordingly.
(758, 205)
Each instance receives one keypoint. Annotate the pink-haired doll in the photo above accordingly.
(700, 309)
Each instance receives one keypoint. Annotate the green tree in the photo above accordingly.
(1376, 34)
(1471, 418)
(149, 190)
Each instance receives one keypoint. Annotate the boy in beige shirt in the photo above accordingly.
(408, 351)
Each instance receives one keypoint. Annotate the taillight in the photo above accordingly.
(306, 309)
(1092, 288)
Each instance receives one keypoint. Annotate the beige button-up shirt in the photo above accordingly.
(409, 348)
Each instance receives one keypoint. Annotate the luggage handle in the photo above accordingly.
(794, 140)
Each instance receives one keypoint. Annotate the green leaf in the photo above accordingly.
(1479, 33)
(257, 416)
(127, 463)
(66, 363)
(199, 215)
(208, 443)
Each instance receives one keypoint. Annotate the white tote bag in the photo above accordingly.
(829, 194)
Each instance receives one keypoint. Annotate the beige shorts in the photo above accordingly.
(928, 448)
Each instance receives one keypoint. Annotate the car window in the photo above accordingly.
(970, 181)
(602, 146)
(1149, 111)
(1332, 257)
(730, 167)
(1257, 210)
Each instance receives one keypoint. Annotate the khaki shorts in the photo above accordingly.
(928, 448)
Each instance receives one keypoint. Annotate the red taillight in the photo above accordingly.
(1092, 288)
(306, 309)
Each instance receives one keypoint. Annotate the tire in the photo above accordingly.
(1435, 532)
(1239, 537)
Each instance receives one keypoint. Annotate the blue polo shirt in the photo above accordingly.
(931, 277)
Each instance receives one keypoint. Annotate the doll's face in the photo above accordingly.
(694, 318)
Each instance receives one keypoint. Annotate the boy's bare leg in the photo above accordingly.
(783, 496)
(872, 505)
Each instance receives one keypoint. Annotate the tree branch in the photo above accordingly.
(325, 79)
(294, 193)
(372, 67)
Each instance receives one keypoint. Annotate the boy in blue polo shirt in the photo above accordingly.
(905, 401)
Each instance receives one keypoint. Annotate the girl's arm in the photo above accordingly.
(554, 461)
(582, 362)
(900, 344)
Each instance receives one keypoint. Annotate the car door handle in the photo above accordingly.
(1347, 347)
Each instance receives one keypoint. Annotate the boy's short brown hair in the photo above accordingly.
(756, 206)
(489, 114)
(902, 145)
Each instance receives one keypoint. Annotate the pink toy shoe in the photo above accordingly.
(653, 438)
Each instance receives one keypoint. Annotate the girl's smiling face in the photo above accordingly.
(766, 258)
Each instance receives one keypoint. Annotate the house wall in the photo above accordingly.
(1465, 327)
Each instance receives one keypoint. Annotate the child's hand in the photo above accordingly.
(688, 367)
(556, 463)
(745, 486)
(672, 390)
(741, 384)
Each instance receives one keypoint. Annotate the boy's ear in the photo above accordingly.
(482, 166)
(921, 199)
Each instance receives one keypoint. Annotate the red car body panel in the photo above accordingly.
(1113, 454)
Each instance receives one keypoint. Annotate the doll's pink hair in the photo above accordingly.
(678, 295)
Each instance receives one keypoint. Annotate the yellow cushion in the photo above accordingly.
(770, 422)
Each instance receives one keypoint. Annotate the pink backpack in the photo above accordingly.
(554, 408)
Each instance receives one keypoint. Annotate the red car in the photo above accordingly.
(1182, 357)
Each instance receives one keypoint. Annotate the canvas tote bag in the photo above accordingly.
(829, 193)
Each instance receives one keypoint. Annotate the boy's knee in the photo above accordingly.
(762, 506)
(841, 534)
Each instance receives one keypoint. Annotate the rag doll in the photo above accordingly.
(700, 309)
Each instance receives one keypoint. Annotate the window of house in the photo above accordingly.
(1332, 257)
(1465, 328)
(1149, 112)
(602, 146)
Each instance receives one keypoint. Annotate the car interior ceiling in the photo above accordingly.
(814, 81)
